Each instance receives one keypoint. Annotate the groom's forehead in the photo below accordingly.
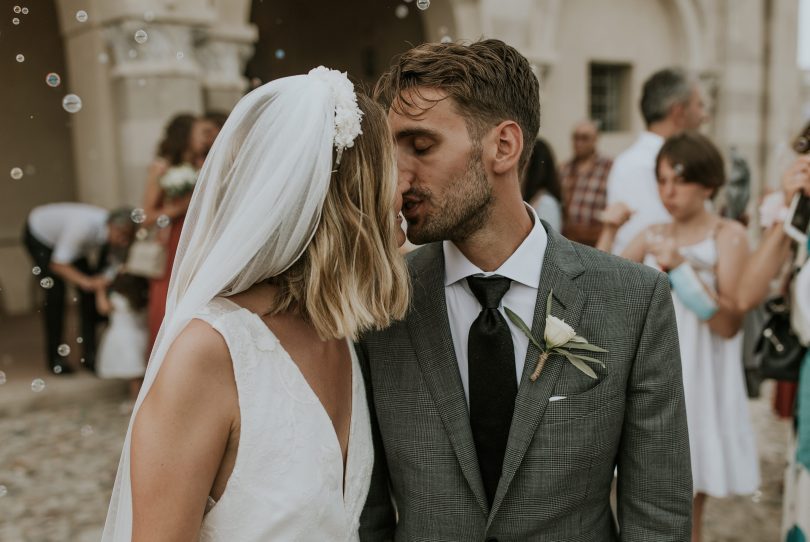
(423, 105)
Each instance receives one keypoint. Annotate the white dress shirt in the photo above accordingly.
(523, 267)
(632, 180)
(73, 230)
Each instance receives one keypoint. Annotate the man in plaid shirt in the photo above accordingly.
(584, 186)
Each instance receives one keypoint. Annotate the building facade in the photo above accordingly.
(591, 57)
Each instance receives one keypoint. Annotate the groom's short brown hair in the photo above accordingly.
(489, 80)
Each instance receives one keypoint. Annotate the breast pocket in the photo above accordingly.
(599, 400)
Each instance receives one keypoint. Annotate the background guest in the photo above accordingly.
(541, 185)
(122, 351)
(703, 254)
(774, 258)
(62, 238)
(584, 186)
(671, 102)
(185, 142)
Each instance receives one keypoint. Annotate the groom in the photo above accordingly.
(468, 447)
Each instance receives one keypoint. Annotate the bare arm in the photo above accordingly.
(71, 274)
(153, 193)
(763, 266)
(732, 253)
(103, 305)
(613, 218)
(180, 436)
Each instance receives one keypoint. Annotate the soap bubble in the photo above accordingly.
(446, 39)
(46, 283)
(280, 54)
(17, 9)
(72, 103)
(180, 55)
(79, 340)
(53, 80)
(2, 378)
(57, 369)
(138, 216)
(423, 4)
(15, 21)
(20, 58)
(81, 16)
(3, 491)
(63, 350)
(401, 12)
(37, 385)
(141, 36)
(36, 271)
(25, 11)
(163, 221)
(16, 173)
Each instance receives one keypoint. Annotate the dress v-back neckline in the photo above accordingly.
(345, 461)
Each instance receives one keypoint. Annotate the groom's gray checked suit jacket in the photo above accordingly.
(561, 454)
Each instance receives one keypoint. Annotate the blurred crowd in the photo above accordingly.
(668, 201)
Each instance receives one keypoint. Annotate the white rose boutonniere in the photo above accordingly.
(560, 338)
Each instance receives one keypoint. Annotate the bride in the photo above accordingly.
(252, 423)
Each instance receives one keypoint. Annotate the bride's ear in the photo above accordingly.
(507, 138)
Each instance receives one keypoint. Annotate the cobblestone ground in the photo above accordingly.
(58, 468)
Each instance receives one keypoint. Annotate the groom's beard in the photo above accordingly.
(464, 210)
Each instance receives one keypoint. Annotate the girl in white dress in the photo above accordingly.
(122, 350)
(252, 423)
(705, 252)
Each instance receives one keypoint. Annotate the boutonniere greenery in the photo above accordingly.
(559, 338)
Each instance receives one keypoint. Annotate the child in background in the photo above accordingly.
(122, 353)
(703, 254)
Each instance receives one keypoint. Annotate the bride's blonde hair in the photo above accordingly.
(351, 277)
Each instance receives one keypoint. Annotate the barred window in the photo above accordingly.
(610, 96)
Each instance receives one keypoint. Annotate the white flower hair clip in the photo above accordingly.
(347, 113)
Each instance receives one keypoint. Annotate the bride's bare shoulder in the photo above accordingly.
(197, 365)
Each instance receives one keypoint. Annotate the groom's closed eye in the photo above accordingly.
(422, 145)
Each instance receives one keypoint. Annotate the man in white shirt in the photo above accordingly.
(671, 102)
(62, 239)
(469, 444)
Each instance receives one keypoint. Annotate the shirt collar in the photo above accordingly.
(523, 266)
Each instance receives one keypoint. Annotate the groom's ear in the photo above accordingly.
(508, 139)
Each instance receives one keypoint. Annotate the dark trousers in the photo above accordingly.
(53, 310)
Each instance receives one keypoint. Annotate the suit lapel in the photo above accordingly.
(429, 329)
(560, 266)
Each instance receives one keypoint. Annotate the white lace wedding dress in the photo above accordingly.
(287, 483)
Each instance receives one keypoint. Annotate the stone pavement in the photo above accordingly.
(59, 451)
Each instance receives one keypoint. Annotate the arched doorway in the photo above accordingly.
(360, 37)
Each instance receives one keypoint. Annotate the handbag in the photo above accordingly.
(146, 257)
(779, 350)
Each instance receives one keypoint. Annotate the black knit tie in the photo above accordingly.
(493, 384)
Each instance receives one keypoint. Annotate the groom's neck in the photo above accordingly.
(491, 245)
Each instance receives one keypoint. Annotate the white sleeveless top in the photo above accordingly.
(287, 482)
(721, 437)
